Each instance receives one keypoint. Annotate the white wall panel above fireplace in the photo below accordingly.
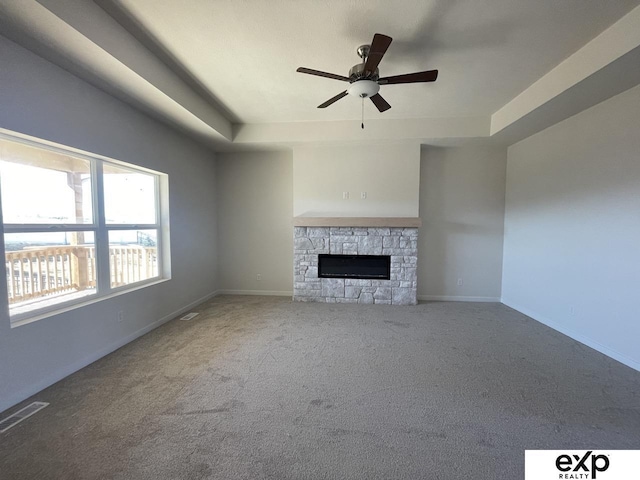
(388, 175)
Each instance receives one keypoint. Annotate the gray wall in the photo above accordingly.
(42, 100)
(255, 232)
(572, 227)
(462, 211)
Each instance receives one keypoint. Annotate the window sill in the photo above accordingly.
(25, 318)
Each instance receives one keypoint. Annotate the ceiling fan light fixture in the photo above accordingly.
(363, 88)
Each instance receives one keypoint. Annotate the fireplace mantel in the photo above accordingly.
(408, 222)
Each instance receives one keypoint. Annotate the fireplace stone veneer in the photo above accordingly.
(400, 243)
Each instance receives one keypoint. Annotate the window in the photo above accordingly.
(76, 227)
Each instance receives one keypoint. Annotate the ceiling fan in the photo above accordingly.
(365, 77)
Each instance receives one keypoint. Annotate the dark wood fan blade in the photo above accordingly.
(380, 103)
(378, 48)
(322, 74)
(428, 76)
(333, 100)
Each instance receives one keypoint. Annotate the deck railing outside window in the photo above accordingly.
(37, 273)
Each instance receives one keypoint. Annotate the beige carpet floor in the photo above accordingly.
(260, 387)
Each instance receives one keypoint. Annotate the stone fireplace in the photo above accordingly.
(396, 238)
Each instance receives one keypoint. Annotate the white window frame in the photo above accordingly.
(100, 229)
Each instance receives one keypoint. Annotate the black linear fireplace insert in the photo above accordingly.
(354, 266)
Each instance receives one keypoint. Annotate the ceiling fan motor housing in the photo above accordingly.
(357, 72)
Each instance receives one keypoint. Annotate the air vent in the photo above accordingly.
(189, 316)
(21, 415)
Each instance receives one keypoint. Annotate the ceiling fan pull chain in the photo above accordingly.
(362, 124)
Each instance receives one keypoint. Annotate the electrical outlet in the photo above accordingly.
(363, 195)
(345, 195)
(460, 282)
(259, 277)
(120, 316)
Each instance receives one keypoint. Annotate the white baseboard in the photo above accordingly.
(589, 342)
(67, 370)
(270, 293)
(456, 298)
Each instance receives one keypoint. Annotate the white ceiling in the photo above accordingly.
(487, 51)
(223, 71)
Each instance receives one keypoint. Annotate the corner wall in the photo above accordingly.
(39, 99)
(255, 229)
(572, 227)
(462, 212)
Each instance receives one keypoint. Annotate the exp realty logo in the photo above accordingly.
(596, 463)
(581, 464)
